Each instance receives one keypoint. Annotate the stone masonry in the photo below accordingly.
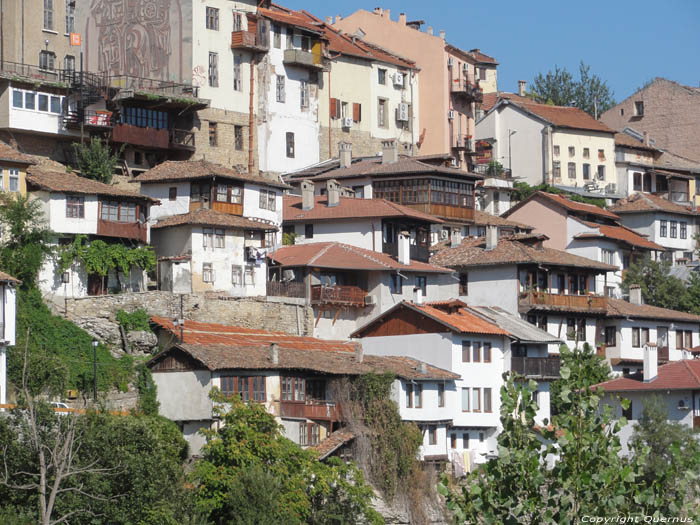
(224, 152)
(363, 144)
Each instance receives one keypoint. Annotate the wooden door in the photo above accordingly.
(96, 285)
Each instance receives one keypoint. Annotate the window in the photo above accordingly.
(75, 207)
(305, 43)
(464, 284)
(237, 81)
(308, 231)
(572, 170)
(639, 108)
(109, 211)
(276, 36)
(17, 99)
(466, 351)
(441, 394)
(304, 93)
(684, 339)
(43, 102)
(70, 16)
(303, 434)
(640, 337)
(661, 183)
(29, 100)
(55, 104)
(487, 400)
(229, 193)
(315, 434)
(237, 21)
(207, 238)
(207, 273)
(627, 412)
(238, 138)
(432, 435)
(481, 437)
(47, 60)
(343, 110)
(214, 69)
(601, 172)
(637, 181)
(663, 227)
(465, 440)
(674, 229)
(219, 238)
(586, 153)
(476, 399)
(48, 15)
(69, 63)
(556, 151)
(556, 168)
(381, 113)
(212, 134)
(608, 256)
(418, 395)
(356, 112)
(409, 395)
(290, 145)
(250, 388)
(396, 283)
(572, 151)
(13, 174)
(586, 171)
(646, 185)
(684, 230)
(487, 352)
(422, 283)
(144, 118)
(465, 400)
(575, 329)
(280, 88)
(213, 18)
(601, 154)
(236, 276)
(476, 352)
(610, 336)
(381, 76)
(268, 200)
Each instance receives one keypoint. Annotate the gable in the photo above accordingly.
(176, 361)
(402, 321)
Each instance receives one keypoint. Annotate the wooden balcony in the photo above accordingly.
(540, 367)
(443, 210)
(248, 41)
(339, 295)
(291, 289)
(311, 409)
(467, 90)
(305, 59)
(137, 136)
(181, 139)
(564, 303)
(128, 230)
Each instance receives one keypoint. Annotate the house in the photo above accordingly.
(630, 325)
(450, 80)
(74, 205)
(561, 146)
(552, 289)
(676, 383)
(667, 111)
(586, 230)
(666, 223)
(299, 379)
(348, 285)
(8, 300)
(13, 169)
(466, 341)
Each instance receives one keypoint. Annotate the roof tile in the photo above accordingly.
(349, 208)
(207, 217)
(55, 181)
(563, 117)
(676, 375)
(643, 202)
(622, 308)
(10, 154)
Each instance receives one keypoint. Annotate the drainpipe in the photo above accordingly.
(330, 140)
(411, 77)
(2, 37)
(251, 115)
(22, 31)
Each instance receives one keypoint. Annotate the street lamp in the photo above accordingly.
(94, 368)
(510, 158)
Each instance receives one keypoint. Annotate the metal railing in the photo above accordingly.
(90, 117)
(292, 289)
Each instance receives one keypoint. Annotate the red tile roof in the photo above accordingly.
(342, 256)
(10, 154)
(621, 308)
(333, 442)
(461, 320)
(563, 117)
(483, 219)
(619, 233)
(207, 217)
(676, 375)
(566, 203)
(55, 181)
(482, 57)
(643, 202)
(349, 208)
(623, 139)
(287, 16)
(490, 99)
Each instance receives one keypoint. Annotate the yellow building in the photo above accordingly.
(13, 170)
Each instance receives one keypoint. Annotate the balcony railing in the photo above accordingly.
(248, 41)
(89, 117)
(346, 295)
(292, 289)
(15, 69)
(129, 230)
(417, 252)
(311, 409)
(544, 367)
(564, 302)
(462, 142)
(161, 87)
(298, 57)
(467, 89)
(182, 139)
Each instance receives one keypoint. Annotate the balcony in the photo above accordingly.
(97, 119)
(13, 70)
(290, 289)
(416, 252)
(339, 295)
(540, 367)
(165, 88)
(462, 142)
(311, 409)
(305, 59)
(138, 136)
(129, 230)
(248, 41)
(564, 303)
(181, 139)
(467, 90)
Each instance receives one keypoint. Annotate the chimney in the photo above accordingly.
(359, 352)
(636, 294)
(442, 34)
(491, 237)
(338, 18)
(307, 195)
(333, 190)
(378, 11)
(646, 138)
(345, 154)
(274, 354)
(390, 151)
(456, 238)
(429, 30)
(522, 84)
(387, 14)
(329, 20)
(651, 362)
(418, 295)
(402, 19)
(404, 248)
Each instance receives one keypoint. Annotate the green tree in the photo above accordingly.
(523, 190)
(591, 370)
(589, 93)
(27, 241)
(659, 287)
(95, 160)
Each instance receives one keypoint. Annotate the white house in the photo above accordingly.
(8, 301)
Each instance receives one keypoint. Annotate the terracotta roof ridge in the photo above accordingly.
(322, 252)
(350, 248)
(692, 372)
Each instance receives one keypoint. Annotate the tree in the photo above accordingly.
(659, 287)
(523, 190)
(27, 240)
(589, 93)
(591, 370)
(95, 160)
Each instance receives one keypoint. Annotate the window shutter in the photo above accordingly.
(356, 112)
(334, 108)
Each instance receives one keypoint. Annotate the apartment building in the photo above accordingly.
(8, 306)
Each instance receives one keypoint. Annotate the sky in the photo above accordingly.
(626, 42)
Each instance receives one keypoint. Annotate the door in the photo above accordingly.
(96, 285)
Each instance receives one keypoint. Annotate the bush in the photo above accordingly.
(136, 320)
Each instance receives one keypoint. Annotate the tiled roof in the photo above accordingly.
(290, 17)
(643, 202)
(342, 256)
(563, 117)
(566, 203)
(622, 308)
(626, 140)
(621, 234)
(349, 208)
(10, 154)
(333, 442)
(182, 170)
(55, 181)
(482, 57)
(207, 217)
(516, 326)
(482, 218)
(672, 161)
(7, 278)
(676, 375)
(490, 99)
(511, 250)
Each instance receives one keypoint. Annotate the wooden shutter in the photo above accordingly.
(356, 112)
(334, 108)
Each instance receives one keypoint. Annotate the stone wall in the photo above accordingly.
(363, 144)
(225, 152)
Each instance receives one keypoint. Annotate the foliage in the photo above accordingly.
(289, 238)
(523, 190)
(27, 242)
(672, 457)
(495, 168)
(136, 320)
(148, 392)
(60, 353)
(250, 446)
(95, 160)
(559, 87)
(593, 369)
(659, 287)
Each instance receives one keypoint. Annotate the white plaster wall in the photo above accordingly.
(184, 395)
(394, 96)
(169, 242)
(623, 348)
(493, 286)
(251, 204)
(10, 314)
(363, 233)
(192, 432)
(161, 191)
(59, 223)
(593, 249)
(34, 120)
(429, 410)
(544, 411)
(434, 349)
(579, 139)
(556, 325)
(476, 449)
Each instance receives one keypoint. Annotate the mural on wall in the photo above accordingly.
(141, 38)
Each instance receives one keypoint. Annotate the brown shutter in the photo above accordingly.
(356, 112)
(334, 108)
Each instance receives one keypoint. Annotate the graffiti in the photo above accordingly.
(199, 76)
(133, 36)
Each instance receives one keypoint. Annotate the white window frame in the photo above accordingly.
(207, 238)
(304, 94)
(237, 78)
(208, 273)
(281, 93)
(237, 276)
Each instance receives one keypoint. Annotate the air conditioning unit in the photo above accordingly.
(444, 235)
(451, 114)
(450, 61)
(347, 122)
(398, 79)
(370, 300)
(402, 113)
